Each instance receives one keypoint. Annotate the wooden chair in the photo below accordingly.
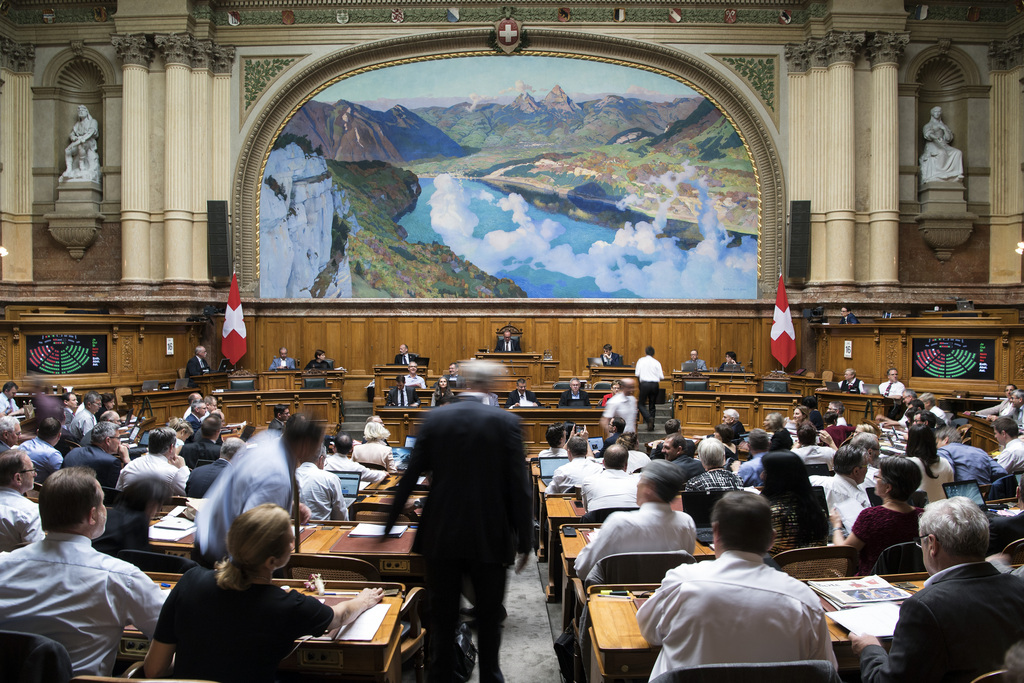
(826, 376)
(827, 562)
(637, 567)
(414, 636)
(1016, 551)
(377, 512)
(123, 395)
(330, 567)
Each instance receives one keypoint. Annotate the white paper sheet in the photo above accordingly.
(877, 620)
(369, 529)
(366, 624)
(158, 534)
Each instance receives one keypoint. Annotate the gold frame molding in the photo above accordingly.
(701, 75)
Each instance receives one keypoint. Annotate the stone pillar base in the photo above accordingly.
(944, 222)
(76, 219)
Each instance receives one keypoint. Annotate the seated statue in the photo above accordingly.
(940, 161)
(80, 156)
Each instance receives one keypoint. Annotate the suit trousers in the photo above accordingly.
(647, 398)
(444, 588)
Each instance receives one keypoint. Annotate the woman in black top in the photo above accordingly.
(233, 624)
(797, 518)
(319, 361)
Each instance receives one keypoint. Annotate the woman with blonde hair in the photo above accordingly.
(374, 449)
(233, 624)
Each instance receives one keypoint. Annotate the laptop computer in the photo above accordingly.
(832, 386)
(421, 361)
(698, 505)
(225, 365)
(181, 383)
(134, 434)
(871, 389)
(818, 468)
(400, 457)
(595, 361)
(144, 439)
(349, 485)
(247, 432)
(548, 467)
(967, 488)
(596, 443)
(690, 366)
(151, 385)
(410, 442)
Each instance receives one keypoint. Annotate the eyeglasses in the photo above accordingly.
(33, 471)
(919, 539)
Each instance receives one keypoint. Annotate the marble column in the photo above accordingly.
(17, 61)
(817, 134)
(797, 62)
(1006, 183)
(199, 135)
(176, 49)
(841, 158)
(884, 52)
(136, 54)
(220, 123)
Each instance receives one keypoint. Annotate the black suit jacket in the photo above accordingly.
(1002, 531)
(202, 478)
(410, 393)
(954, 630)
(616, 360)
(513, 398)
(195, 367)
(399, 361)
(478, 508)
(500, 346)
(850, 387)
(566, 400)
(200, 449)
(107, 466)
(691, 467)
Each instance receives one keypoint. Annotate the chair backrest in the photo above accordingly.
(31, 658)
(242, 384)
(598, 516)
(1003, 487)
(806, 671)
(157, 562)
(330, 567)
(1015, 550)
(560, 385)
(314, 382)
(834, 561)
(826, 376)
(120, 393)
(775, 386)
(110, 496)
(602, 386)
(637, 567)
(181, 373)
(902, 558)
(695, 385)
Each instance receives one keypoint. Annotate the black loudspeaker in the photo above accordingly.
(218, 240)
(799, 240)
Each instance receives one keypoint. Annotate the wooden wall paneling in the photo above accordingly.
(738, 336)
(637, 337)
(699, 334)
(277, 332)
(545, 333)
(659, 332)
(352, 348)
(571, 348)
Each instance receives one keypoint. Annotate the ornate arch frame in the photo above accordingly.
(701, 75)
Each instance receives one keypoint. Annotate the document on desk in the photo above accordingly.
(171, 529)
(373, 530)
(877, 620)
(366, 624)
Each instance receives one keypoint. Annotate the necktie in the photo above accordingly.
(402, 397)
(508, 345)
(887, 388)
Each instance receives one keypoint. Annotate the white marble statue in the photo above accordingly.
(940, 161)
(81, 157)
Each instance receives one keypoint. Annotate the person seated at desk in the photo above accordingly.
(895, 415)
(607, 397)
(374, 449)
(520, 396)
(730, 364)
(404, 357)
(85, 418)
(42, 450)
(699, 364)
(341, 461)
(654, 527)
(637, 459)
(679, 451)
(282, 362)
(616, 426)
(581, 466)
(1011, 448)
(413, 378)
(750, 471)
(205, 446)
(846, 491)
(402, 395)
(609, 358)
(10, 433)
(197, 366)
(105, 455)
(964, 619)
(734, 608)
(968, 462)
(161, 461)
(715, 477)
(320, 491)
(319, 361)
(612, 487)
(19, 516)
(574, 397)
(8, 406)
(196, 414)
(839, 433)
(253, 623)
(202, 478)
(128, 521)
(453, 375)
(70, 592)
(442, 393)
(892, 387)
(507, 344)
(1001, 409)
(556, 435)
(281, 414)
(846, 317)
(672, 426)
(797, 519)
(731, 417)
(813, 414)
(850, 383)
(812, 452)
(923, 451)
(70, 400)
(725, 435)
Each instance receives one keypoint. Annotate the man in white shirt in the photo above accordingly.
(341, 461)
(1011, 453)
(892, 387)
(845, 491)
(735, 608)
(161, 462)
(612, 487)
(649, 374)
(413, 379)
(320, 491)
(838, 408)
(652, 528)
(555, 436)
(930, 404)
(809, 451)
(66, 590)
(7, 404)
(10, 432)
(850, 383)
(622, 404)
(85, 418)
(574, 472)
(41, 451)
(19, 516)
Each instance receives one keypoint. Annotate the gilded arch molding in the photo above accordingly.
(754, 131)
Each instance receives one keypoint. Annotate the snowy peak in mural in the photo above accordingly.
(488, 185)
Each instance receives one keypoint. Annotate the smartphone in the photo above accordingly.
(568, 531)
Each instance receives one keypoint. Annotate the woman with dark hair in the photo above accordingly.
(253, 623)
(797, 518)
(811, 403)
(319, 361)
(442, 392)
(726, 434)
(892, 522)
(128, 521)
(935, 470)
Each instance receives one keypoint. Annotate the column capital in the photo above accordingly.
(818, 48)
(843, 47)
(17, 57)
(133, 48)
(223, 58)
(202, 52)
(1004, 55)
(175, 48)
(887, 48)
(798, 57)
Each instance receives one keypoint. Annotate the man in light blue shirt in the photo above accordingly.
(41, 451)
(282, 362)
(750, 471)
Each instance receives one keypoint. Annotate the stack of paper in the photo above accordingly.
(862, 591)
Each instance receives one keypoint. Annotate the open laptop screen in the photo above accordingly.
(349, 484)
(967, 488)
(549, 465)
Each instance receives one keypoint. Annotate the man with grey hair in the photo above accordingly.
(320, 491)
(197, 366)
(967, 615)
(758, 440)
(196, 414)
(731, 417)
(85, 418)
(654, 527)
(161, 462)
(931, 405)
(201, 478)
(574, 397)
(105, 455)
(868, 442)
(711, 453)
(10, 432)
(612, 487)
(968, 462)
(1004, 407)
(845, 491)
(341, 461)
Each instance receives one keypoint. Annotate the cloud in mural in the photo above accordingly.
(635, 260)
(520, 86)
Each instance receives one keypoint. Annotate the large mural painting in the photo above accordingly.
(492, 176)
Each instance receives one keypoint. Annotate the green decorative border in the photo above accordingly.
(761, 74)
(61, 15)
(258, 74)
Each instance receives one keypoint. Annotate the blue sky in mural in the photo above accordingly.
(509, 177)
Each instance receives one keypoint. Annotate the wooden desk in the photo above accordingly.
(700, 411)
(384, 379)
(377, 660)
(858, 407)
(532, 365)
(392, 557)
(982, 435)
(607, 373)
(255, 407)
(559, 510)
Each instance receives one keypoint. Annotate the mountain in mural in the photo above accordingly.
(705, 128)
(344, 131)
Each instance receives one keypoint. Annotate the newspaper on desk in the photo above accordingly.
(861, 591)
(171, 528)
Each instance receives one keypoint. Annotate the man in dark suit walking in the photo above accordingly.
(476, 519)
(197, 366)
(507, 344)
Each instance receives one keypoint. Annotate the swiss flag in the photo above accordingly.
(233, 338)
(783, 335)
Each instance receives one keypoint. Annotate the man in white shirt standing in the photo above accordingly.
(574, 472)
(320, 491)
(161, 462)
(613, 487)
(1011, 453)
(19, 516)
(649, 373)
(703, 610)
(622, 405)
